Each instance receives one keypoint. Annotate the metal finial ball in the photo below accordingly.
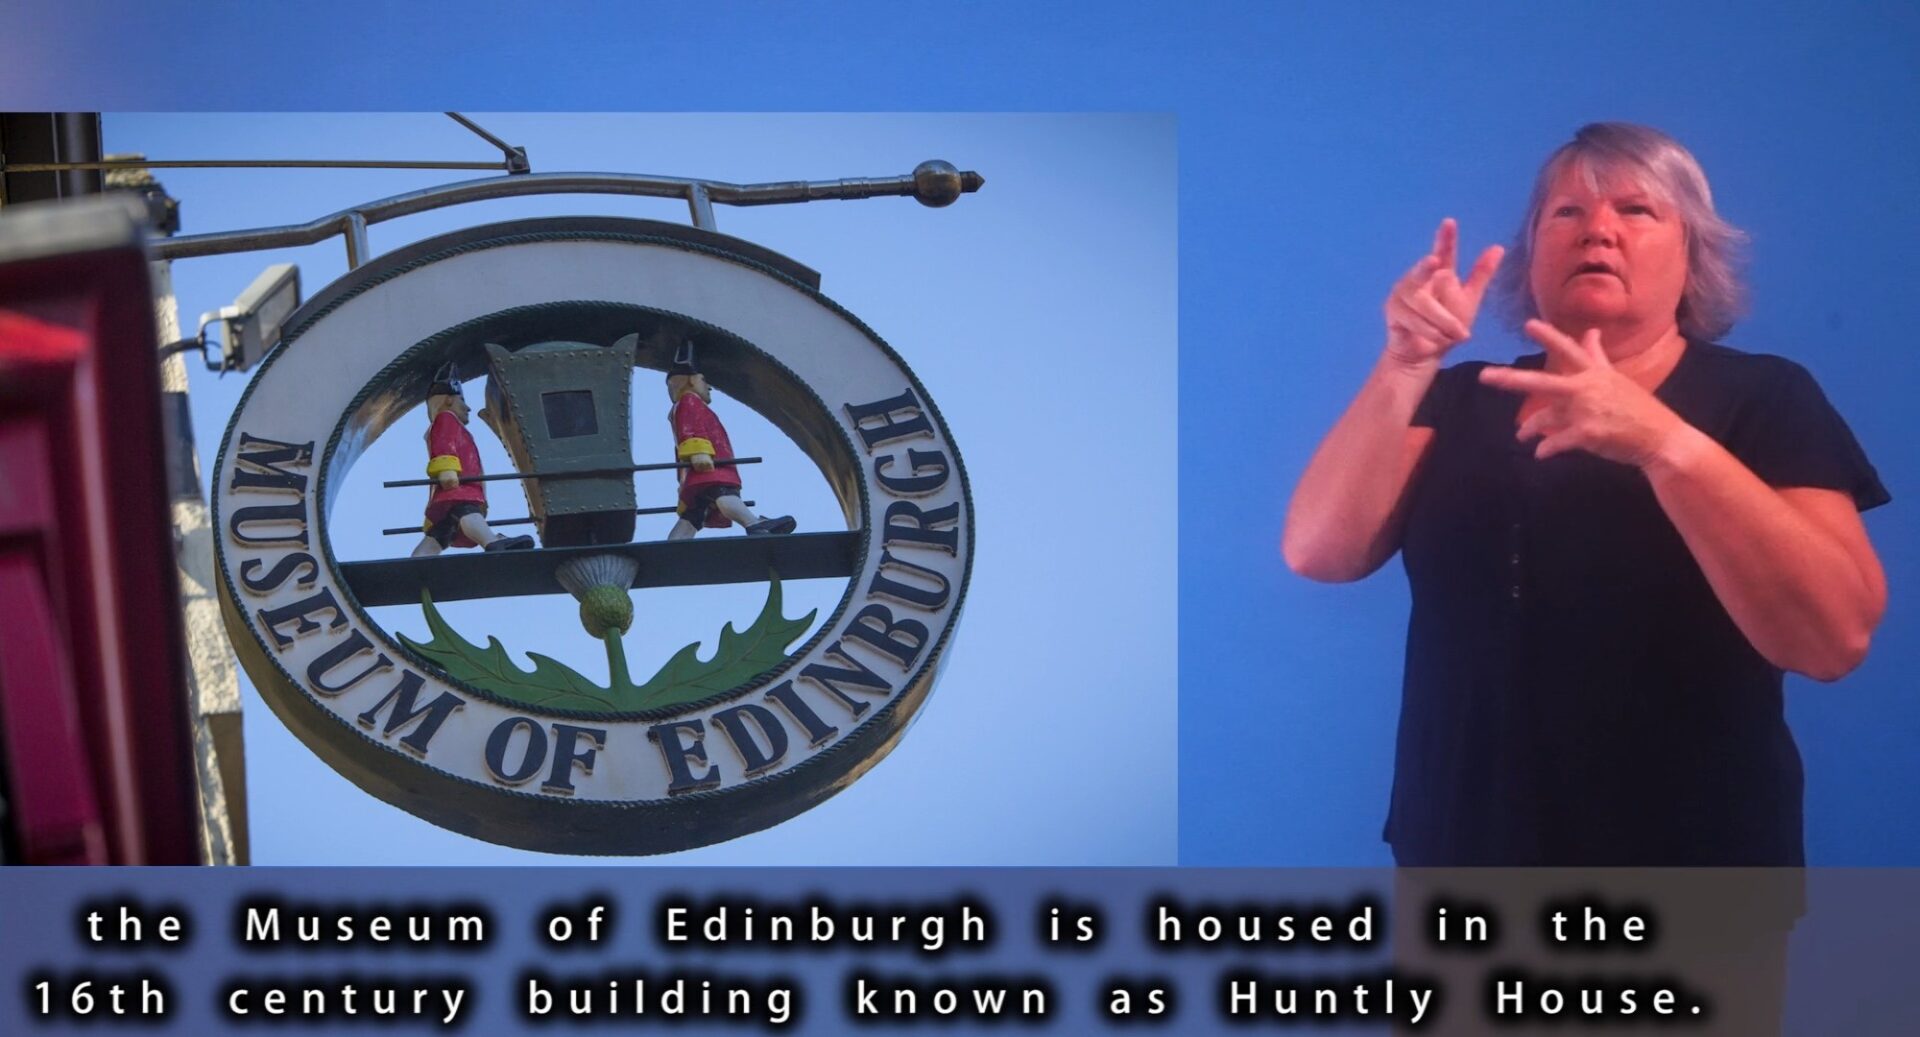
(936, 183)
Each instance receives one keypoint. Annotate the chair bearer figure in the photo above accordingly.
(709, 492)
(456, 511)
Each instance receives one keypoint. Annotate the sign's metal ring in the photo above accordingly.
(618, 787)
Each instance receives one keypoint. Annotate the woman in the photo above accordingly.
(1615, 547)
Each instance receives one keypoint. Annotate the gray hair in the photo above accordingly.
(1715, 296)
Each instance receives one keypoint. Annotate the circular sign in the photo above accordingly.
(409, 724)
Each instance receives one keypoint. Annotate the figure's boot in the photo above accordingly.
(477, 530)
(768, 526)
(734, 508)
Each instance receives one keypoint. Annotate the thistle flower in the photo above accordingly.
(600, 584)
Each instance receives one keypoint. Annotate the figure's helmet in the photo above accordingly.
(445, 382)
(683, 364)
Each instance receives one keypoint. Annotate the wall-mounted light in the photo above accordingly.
(253, 323)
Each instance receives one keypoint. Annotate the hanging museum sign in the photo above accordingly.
(554, 315)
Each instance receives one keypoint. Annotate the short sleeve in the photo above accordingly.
(1791, 436)
(1445, 398)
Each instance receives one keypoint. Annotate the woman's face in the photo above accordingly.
(1607, 257)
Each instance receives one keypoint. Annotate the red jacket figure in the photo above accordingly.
(709, 491)
(697, 431)
(456, 510)
(450, 448)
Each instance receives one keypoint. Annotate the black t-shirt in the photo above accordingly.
(1575, 694)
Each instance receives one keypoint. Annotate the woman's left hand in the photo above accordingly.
(1590, 405)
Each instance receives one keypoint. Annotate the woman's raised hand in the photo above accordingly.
(1431, 310)
(1589, 404)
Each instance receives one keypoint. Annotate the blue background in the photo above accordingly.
(1317, 150)
(1807, 127)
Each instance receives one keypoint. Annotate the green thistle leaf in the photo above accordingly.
(739, 657)
(551, 683)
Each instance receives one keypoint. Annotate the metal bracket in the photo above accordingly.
(933, 183)
(512, 159)
(516, 158)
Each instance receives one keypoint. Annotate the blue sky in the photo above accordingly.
(1058, 693)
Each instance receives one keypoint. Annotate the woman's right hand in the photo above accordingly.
(1346, 515)
(1431, 310)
